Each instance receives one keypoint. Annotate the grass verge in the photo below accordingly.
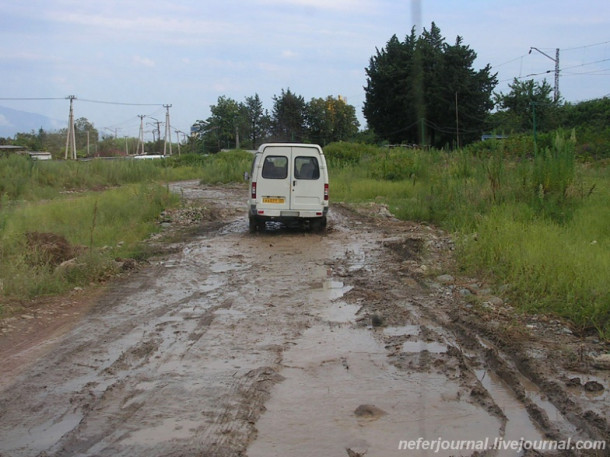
(537, 224)
(91, 228)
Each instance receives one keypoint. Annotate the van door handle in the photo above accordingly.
(294, 183)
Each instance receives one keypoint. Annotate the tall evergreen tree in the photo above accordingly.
(258, 120)
(424, 90)
(288, 117)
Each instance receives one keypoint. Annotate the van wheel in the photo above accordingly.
(318, 225)
(252, 225)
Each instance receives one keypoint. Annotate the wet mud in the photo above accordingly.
(292, 343)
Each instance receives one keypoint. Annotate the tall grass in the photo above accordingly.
(110, 224)
(226, 167)
(24, 179)
(106, 206)
(542, 221)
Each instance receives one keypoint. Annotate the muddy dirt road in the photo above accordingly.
(287, 343)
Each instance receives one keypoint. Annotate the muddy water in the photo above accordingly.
(337, 367)
(261, 345)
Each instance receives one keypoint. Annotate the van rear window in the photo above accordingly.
(275, 167)
(306, 168)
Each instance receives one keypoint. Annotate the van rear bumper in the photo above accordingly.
(276, 214)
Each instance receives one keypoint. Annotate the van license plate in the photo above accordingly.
(273, 200)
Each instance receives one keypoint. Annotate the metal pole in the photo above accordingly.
(556, 94)
(556, 60)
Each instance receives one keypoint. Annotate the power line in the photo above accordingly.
(585, 64)
(79, 99)
(508, 61)
(119, 103)
(586, 46)
(31, 98)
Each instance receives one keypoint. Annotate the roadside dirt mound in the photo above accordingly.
(50, 248)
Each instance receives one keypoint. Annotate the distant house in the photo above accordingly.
(493, 137)
(7, 149)
(39, 155)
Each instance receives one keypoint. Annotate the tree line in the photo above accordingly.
(248, 124)
(419, 90)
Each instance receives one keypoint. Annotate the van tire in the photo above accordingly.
(318, 225)
(252, 225)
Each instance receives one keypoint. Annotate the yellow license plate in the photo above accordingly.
(273, 200)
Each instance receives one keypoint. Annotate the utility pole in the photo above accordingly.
(556, 60)
(158, 124)
(141, 137)
(457, 121)
(168, 132)
(534, 122)
(178, 132)
(87, 143)
(71, 138)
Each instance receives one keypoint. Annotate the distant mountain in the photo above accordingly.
(13, 121)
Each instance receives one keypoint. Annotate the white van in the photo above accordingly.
(288, 183)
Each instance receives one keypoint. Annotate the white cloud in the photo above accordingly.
(288, 54)
(144, 61)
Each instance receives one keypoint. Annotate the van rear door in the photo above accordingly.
(307, 183)
(274, 185)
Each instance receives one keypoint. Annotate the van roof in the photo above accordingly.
(262, 147)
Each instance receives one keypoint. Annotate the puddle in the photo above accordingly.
(340, 312)
(535, 395)
(169, 429)
(518, 424)
(334, 371)
(45, 434)
(238, 226)
(229, 312)
(403, 330)
(335, 289)
(420, 346)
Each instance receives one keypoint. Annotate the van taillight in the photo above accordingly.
(253, 193)
(326, 192)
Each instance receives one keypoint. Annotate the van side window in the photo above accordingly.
(275, 167)
(306, 168)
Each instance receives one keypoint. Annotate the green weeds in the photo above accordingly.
(542, 221)
(98, 227)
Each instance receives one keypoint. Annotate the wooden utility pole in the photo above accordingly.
(71, 137)
(168, 132)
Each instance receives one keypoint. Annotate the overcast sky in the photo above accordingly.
(187, 53)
